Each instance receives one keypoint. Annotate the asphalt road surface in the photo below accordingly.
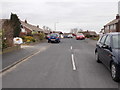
(69, 64)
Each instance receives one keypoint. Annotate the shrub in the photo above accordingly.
(28, 39)
(41, 36)
(4, 44)
(88, 36)
(95, 38)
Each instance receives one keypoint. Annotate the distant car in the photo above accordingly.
(108, 52)
(70, 36)
(47, 36)
(80, 36)
(61, 36)
(54, 38)
(65, 36)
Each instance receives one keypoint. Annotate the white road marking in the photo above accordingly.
(73, 62)
(71, 47)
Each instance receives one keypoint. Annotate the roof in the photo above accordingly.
(46, 31)
(31, 27)
(112, 22)
(89, 32)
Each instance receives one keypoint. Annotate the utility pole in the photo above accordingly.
(55, 26)
(119, 7)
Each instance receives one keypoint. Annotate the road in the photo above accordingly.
(69, 64)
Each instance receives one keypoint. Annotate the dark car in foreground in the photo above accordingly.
(108, 52)
(53, 38)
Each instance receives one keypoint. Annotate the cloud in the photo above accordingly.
(69, 13)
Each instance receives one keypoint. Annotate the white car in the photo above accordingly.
(70, 36)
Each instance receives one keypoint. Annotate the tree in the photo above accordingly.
(15, 22)
(75, 30)
(7, 34)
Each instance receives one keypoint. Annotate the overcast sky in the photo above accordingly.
(84, 14)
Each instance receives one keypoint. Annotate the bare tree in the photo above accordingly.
(75, 30)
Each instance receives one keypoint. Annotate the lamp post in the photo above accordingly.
(55, 25)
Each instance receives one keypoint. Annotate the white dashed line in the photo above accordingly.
(71, 47)
(73, 62)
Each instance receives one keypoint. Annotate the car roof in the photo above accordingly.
(113, 33)
(54, 33)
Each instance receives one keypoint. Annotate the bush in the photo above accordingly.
(41, 36)
(88, 36)
(28, 39)
(95, 38)
(4, 44)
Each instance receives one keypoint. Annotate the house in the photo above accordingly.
(47, 32)
(89, 33)
(29, 29)
(113, 26)
(59, 32)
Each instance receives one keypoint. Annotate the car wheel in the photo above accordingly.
(97, 57)
(48, 41)
(114, 73)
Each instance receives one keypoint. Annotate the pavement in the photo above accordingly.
(18, 55)
(69, 64)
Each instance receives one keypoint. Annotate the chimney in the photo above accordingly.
(25, 21)
(37, 26)
(117, 16)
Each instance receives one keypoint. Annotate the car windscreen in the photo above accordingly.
(116, 41)
(55, 35)
(80, 34)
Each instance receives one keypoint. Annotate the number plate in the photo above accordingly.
(52, 39)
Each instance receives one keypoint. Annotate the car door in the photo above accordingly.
(100, 49)
(107, 52)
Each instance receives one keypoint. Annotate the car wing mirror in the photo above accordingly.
(106, 47)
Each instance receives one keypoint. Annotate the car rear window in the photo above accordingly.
(55, 35)
(79, 34)
(116, 41)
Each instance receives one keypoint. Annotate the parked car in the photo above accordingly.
(47, 36)
(65, 36)
(80, 36)
(54, 38)
(108, 52)
(70, 36)
(61, 36)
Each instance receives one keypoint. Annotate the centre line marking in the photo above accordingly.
(71, 47)
(73, 62)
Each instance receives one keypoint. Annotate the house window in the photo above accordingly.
(114, 27)
(108, 27)
(111, 27)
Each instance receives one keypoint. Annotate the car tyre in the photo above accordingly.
(97, 57)
(48, 41)
(114, 72)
